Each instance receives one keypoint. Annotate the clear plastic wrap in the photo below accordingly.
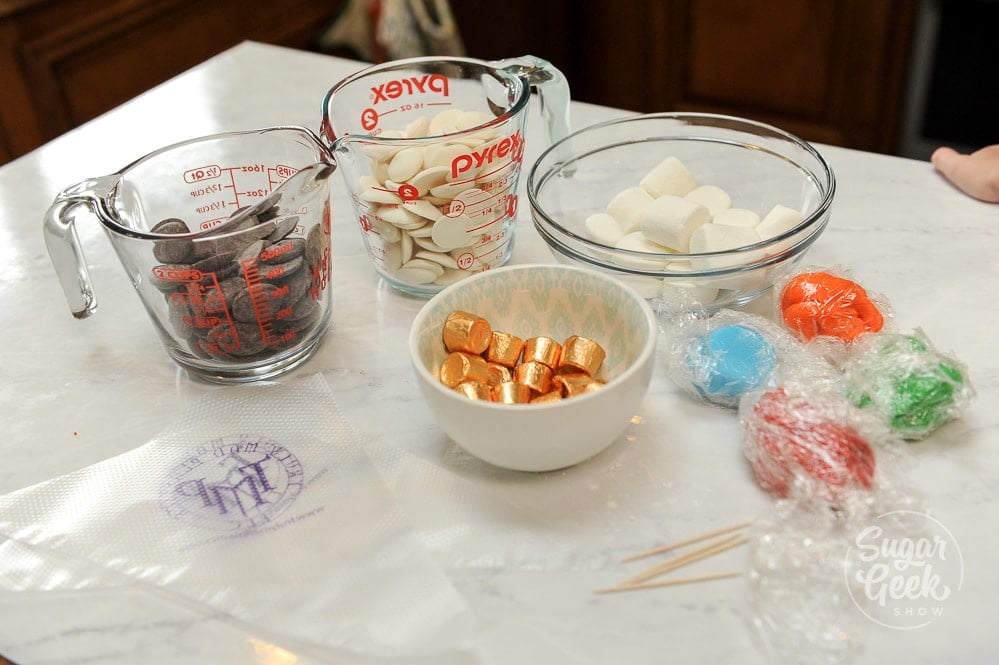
(801, 435)
(261, 503)
(903, 377)
(805, 579)
(718, 358)
(814, 302)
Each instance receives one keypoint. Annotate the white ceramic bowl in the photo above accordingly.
(527, 301)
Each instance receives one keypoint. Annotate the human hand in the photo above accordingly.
(976, 174)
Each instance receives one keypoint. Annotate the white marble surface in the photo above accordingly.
(524, 551)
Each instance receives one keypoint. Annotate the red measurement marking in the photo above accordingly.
(493, 250)
(211, 312)
(178, 274)
(456, 208)
(259, 301)
(408, 192)
(202, 173)
(369, 119)
(232, 186)
(465, 260)
(499, 168)
(481, 227)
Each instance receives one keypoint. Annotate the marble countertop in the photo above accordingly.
(522, 552)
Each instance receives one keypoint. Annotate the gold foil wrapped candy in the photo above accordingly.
(466, 332)
(487, 364)
(459, 367)
(498, 374)
(582, 354)
(575, 383)
(534, 375)
(504, 349)
(475, 390)
(512, 392)
(544, 350)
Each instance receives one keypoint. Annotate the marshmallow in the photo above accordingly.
(627, 207)
(637, 242)
(670, 176)
(603, 228)
(714, 198)
(704, 293)
(780, 219)
(669, 221)
(737, 217)
(718, 238)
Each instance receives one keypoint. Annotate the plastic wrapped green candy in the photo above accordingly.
(917, 388)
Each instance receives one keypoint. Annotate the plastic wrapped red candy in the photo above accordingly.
(791, 435)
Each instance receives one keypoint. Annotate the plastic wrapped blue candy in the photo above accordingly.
(729, 361)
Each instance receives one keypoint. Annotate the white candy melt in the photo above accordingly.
(737, 217)
(669, 221)
(637, 242)
(603, 228)
(445, 122)
(429, 178)
(779, 220)
(627, 207)
(712, 197)
(670, 176)
(421, 208)
(400, 217)
(418, 128)
(405, 164)
(470, 119)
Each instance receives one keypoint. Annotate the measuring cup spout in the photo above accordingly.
(551, 87)
(63, 242)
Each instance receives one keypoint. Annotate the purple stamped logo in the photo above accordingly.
(233, 484)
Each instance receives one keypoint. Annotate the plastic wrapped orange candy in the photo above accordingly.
(820, 303)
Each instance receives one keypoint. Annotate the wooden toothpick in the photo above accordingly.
(681, 543)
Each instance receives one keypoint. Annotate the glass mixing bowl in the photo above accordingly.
(757, 165)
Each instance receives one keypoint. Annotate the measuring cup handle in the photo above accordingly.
(64, 249)
(552, 88)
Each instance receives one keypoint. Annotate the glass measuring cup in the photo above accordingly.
(431, 151)
(226, 239)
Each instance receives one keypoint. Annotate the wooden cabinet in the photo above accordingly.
(832, 71)
(63, 62)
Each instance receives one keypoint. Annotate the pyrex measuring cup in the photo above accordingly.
(431, 151)
(226, 239)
